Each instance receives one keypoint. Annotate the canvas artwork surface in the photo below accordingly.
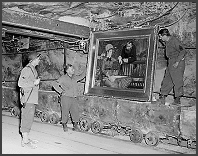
(121, 64)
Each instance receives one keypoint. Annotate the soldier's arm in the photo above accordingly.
(26, 78)
(57, 86)
(182, 51)
(113, 59)
(81, 76)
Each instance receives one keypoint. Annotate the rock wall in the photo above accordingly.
(142, 115)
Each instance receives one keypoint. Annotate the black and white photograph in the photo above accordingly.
(98, 77)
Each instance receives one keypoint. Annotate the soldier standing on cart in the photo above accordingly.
(173, 77)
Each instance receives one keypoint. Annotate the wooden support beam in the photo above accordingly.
(36, 22)
(66, 46)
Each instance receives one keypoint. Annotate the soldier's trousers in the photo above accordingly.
(69, 105)
(173, 79)
(27, 117)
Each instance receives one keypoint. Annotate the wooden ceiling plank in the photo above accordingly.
(30, 21)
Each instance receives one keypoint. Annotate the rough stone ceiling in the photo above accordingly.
(113, 13)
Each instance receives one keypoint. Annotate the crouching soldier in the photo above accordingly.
(66, 86)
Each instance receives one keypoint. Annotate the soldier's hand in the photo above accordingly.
(120, 59)
(175, 64)
(37, 81)
(23, 105)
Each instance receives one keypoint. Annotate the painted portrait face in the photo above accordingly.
(70, 70)
(129, 46)
(109, 53)
(163, 38)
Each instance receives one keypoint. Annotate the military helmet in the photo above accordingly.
(33, 56)
(108, 47)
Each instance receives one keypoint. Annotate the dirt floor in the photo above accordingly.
(52, 140)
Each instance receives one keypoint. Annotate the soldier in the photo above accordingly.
(29, 86)
(66, 86)
(173, 77)
(107, 67)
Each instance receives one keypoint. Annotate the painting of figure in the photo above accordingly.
(122, 63)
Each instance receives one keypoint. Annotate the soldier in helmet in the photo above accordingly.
(29, 86)
(107, 67)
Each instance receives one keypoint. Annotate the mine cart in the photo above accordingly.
(115, 98)
(128, 106)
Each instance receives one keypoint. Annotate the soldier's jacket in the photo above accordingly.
(68, 86)
(175, 51)
(26, 82)
(107, 65)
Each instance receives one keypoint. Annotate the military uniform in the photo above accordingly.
(30, 96)
(107, 69)
(173, 77)
(68, 88)
(29, 86)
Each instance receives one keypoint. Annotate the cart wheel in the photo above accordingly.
(15, 111)
(152, 139)
(113, 131)
(191, 144)
(84, 124)
(96, 127)
(179, 141)
(37, 113)
(136, 135)
(44, 116)
(128, 130)
(53, 118)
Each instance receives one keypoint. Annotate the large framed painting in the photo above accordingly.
(121, 64)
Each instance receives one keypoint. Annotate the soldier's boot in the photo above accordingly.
(161, 99)
(75, 127)
(26, 142)
(176, 101)
(65, 128)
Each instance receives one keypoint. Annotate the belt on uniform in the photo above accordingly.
(64, 94)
